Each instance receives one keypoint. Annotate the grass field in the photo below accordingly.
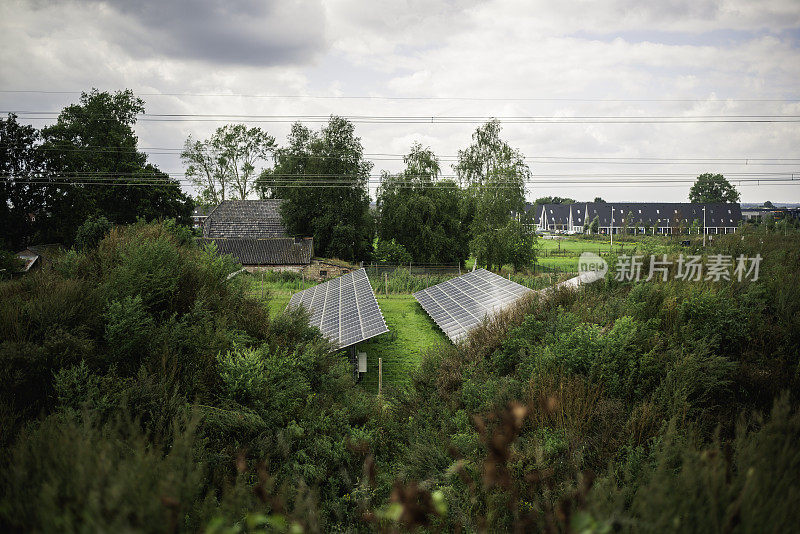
(411, 333)
(275, 290)
(563, 254)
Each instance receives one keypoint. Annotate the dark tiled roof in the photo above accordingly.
(274, 251)
(663, 213)
(202, 211)
(256, 219)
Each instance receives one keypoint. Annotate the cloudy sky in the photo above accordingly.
(563, 62)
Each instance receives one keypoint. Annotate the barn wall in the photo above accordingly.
(278, 268)
(314, 271)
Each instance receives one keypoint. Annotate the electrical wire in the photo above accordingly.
(413, 98)
(436, 119)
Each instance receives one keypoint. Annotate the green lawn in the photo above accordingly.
(563, 254)
(573, 244)
(411, 333)
(276, 293)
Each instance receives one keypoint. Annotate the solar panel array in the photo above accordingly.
(344, 309)
(460, 304)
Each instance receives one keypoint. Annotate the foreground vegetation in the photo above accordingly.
(144, 390)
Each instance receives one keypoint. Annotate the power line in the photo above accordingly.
(547, 160)
(681, 184)
(412, 98)
(440, 119)
(738, 160)
(381, 176)
(89, 178)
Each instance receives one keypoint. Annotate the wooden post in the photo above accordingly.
(262, 285)
(386, 284)
(380, 375)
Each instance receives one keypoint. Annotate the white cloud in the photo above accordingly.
(710, 52)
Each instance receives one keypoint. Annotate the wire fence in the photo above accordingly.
(398, 278)
(414, 268)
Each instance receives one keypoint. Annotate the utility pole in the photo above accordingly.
(611, 229)
(704, 227)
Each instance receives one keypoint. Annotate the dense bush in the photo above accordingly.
(389, 251)
(105, 357)
(91, 232)
(145, 391)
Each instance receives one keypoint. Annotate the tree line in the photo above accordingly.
(88, 166)
(421, 217)
(50, 178)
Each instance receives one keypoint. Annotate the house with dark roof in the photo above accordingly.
(275, 254)
(199, 215)
(641, 217)
(253, 219)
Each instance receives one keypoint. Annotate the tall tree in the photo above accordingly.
(712, 188)
(489, 155)
(495, 175)
(96, 168)
(519, 244)
(422, 212)
(323, 178)
(22, 196)
(224, 165)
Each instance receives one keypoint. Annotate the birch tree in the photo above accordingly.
(226, 164)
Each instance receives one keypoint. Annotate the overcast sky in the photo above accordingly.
(500, 58)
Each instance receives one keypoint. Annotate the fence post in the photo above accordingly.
(380, 375)
(386, 284)
(262, 285)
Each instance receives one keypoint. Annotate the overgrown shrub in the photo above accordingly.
(91, 232)
(389, 251)
(129, 329)
(143, 390)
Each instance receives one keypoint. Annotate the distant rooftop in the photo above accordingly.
(255, 219)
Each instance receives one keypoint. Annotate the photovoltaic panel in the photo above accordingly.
(460, 304)
(344, 309)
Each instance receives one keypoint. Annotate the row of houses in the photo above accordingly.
(662, 218)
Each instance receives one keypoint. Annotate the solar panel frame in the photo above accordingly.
(344, 309)
(460, 304)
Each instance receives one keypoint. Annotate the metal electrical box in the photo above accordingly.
(362, 362)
